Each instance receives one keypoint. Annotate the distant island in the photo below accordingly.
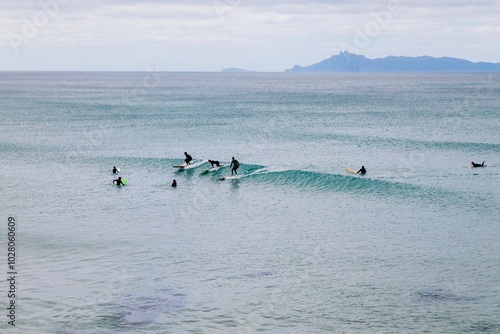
(350, 62)
(236, 70)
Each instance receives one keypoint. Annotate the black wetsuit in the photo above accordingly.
(118, 182)
(235, 165)
(188, 158)
(214, 162)
(115, 170)
(362, 170)
(477, 165)
(174, 183)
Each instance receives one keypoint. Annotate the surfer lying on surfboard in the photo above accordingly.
(477, 165)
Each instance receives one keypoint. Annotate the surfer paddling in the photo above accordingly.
(188, 158)
(362, 170)
(235, 165)
(476, 164)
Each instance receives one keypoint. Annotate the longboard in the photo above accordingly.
(232, 177)
(191, 165)
(350, 170)
(211, 169)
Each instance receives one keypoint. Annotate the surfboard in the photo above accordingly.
(350, 170)
(231, 177)
(211, 169)
(191, 165)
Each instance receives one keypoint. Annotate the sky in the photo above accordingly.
(210, 35)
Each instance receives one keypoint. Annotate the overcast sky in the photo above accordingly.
(209, 35)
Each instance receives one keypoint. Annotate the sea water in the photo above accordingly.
(293, 244)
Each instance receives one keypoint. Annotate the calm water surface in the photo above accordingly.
(295, 244)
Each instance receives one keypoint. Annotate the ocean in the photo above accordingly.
(293, 244)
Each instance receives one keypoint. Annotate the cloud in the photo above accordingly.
(273, 30)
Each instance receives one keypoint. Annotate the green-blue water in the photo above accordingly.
(295, 244)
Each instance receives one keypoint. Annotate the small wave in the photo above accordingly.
(245, 170)
(356, 184)
(249, 168)
(441, 295)
(465, 146)
(258, 274)
(333, 182)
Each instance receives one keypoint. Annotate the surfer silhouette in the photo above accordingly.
(214, 163)
(235, 165)
(362, 170)
(174, 183)
(188, 158)
(115, 170)
(118, 181)
(476, 164)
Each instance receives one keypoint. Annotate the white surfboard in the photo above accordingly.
(213, 169)
(231, 177)
(192, 165)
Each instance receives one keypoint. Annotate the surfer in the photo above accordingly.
(477, 165)
(235, 165)
(174, 183)
(214, 162)
(362, 170)
(188, 158)
(119, 181)
(115, 170)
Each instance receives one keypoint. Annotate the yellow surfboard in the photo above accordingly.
(350, 170)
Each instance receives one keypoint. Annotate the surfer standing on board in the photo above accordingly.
(477, 165)
(188, 158)
(118, 181)
(362, 170)
(235, 165)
